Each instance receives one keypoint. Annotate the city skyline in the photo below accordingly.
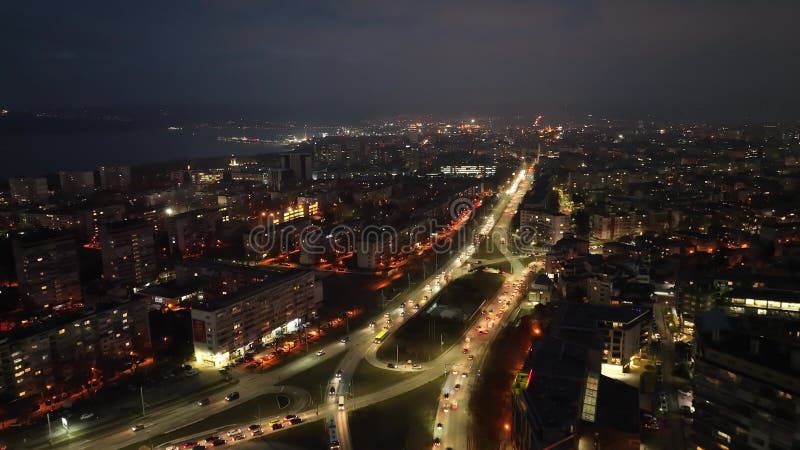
(370, 225)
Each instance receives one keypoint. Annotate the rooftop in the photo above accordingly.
(271, 278)
(587, 316)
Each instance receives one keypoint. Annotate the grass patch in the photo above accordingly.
(316, 376)
(240, 415)
(403, 422)
(313, 436)
(424, 336)
(368, 378)
(488, 249)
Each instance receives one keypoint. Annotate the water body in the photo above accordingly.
(37, 154)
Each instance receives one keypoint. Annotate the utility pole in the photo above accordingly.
(321, 398)
(397, 360)
(141, 396)
(49, 430)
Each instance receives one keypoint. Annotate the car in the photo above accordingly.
(465, 350)
(254, 427)
(372, 324)
(457, 386)
(211, 439)
(345, 340)
(470, 357)
(199, 447)
(386, 315)
(289, 416)
(137, 427)
(219, 442)
(257, 432)
(189, 444)
(339, 373)
(203, 402)
(439, 426)
(277, 426)
(296, 420)
(652, 425)
(390, 365)
(234, 432)
(332, 391)
(446, 408)
(416, 366)
(320, 352)
(446, 395)
(238, 437)
(464, 374)
(437, 442)
(87, 416)
(232, 396)
(191, 372)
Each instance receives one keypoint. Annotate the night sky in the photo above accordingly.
(712, 58)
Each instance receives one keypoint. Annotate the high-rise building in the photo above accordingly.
(561, 401)
(190, 232)
(76, 183)
(62, 355)
(746, 382)
(227, 326)
(298, 162)
(114, 178)
(546, 227)
(47, 269)
(29, 190)
(129, 254)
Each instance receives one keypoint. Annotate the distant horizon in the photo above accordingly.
(328, 116)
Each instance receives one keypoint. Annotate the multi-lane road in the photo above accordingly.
(451, 425)
(360, 346)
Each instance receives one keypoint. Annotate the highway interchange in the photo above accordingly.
(360, 347)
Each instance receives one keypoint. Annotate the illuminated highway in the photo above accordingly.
(250, 385)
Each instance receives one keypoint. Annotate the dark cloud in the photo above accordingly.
(665, 57)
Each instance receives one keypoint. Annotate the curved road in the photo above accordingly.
(250, 385)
